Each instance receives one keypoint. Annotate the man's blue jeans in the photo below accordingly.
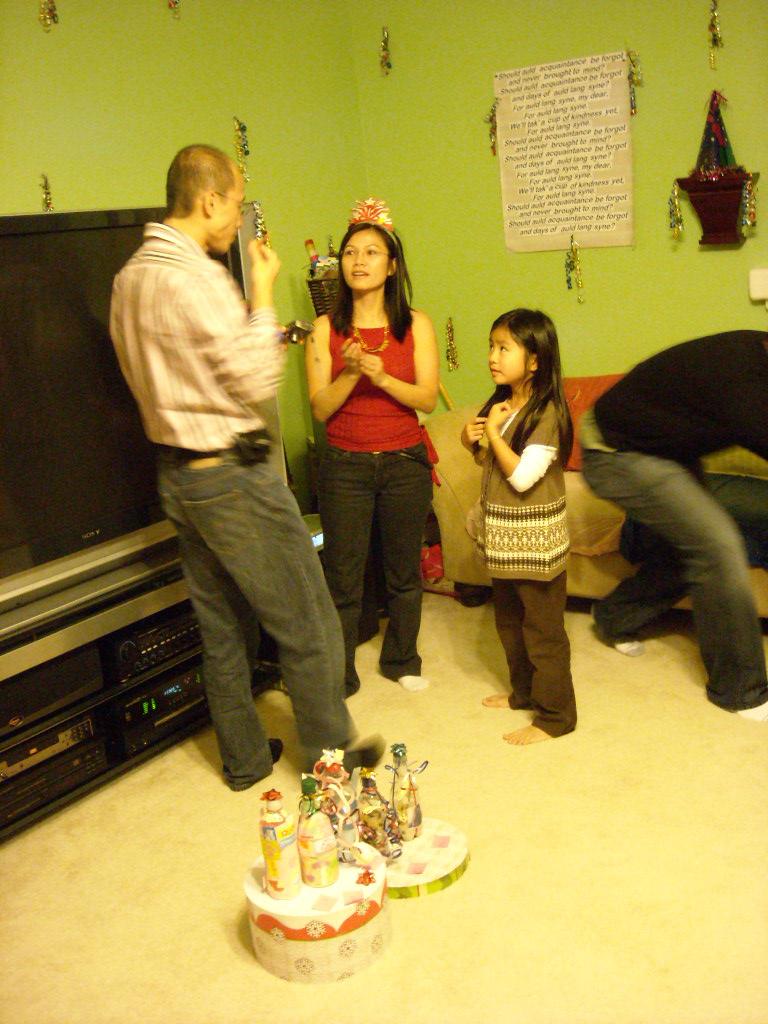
(248, 558)
(396, 487)
(710, 565)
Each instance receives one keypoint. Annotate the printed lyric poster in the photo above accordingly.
(565, 153)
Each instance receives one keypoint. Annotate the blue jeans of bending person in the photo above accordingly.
(247, 556)
(708, 562)
(396, 487)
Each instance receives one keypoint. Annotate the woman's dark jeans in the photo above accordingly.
(396, 488)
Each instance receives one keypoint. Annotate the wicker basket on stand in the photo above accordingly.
(323, 291)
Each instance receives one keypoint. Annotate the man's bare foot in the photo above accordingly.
(528, 734)
(496, 700)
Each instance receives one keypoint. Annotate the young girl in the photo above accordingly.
(523, 532)
(372, 364)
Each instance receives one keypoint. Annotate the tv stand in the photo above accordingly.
(93, 681)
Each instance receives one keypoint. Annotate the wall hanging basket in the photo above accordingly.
(721, 191)
(323, 291)
(718, 205)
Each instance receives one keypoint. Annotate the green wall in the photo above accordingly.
(103, 101)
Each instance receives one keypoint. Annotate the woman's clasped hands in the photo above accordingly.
(363, 363)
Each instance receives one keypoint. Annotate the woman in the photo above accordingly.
(371, 365)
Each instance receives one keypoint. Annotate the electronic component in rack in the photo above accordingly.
(18, 757)
(159, 708)
(135, 651)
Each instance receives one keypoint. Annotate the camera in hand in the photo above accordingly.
(297, 331)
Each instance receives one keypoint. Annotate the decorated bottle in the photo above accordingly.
(317, 841)
(378, 820)
(338, 801)
(282, 872)
(405, 792)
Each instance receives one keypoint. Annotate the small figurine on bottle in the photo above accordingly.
(405, 792)
(378, 821)
(282, 872)
(317, 841)
(338, 801)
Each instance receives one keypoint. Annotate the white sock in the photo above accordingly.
(632, 648)
(758, 714)
(413, 683)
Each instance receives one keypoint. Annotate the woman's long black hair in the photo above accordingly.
(536, 333)
(397, 289)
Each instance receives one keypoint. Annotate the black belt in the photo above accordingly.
(181, 455)
(248, 448)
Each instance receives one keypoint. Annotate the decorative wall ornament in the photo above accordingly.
(715, 38)
(490, 120)
(721, 191)
(241, 147)
(259, 224)
(47, 200)
(385, 60)
(675, 216)
(451, 352)
(573, 269)
(635, 78)
(748, 206)
(48, 16)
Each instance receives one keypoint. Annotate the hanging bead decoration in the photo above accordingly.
(715, 38)
(490, 120)
(675, 216)
(174, 6)
(259, 224)
(241, 147)
(47, 200)
(48, 16)
(573, 268)
(748, 204)
(385, 61)
(635, 77)
(451, 352)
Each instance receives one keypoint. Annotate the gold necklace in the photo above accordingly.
(379, 348)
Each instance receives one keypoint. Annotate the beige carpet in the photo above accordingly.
(617, 876)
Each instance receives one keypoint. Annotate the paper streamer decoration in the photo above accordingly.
(241, 146)
(715, 38)
(48, 16)
(451, 352)
(385, 61)
(635, 78)
(573, 268)
(490, 120)
(47, 200)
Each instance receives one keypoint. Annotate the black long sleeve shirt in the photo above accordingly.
(692, 399)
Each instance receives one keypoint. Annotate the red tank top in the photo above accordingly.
(370, 420)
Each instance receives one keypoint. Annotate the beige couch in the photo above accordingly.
(594, 564)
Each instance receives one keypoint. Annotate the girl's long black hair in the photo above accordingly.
(536, 333)
(397, 289)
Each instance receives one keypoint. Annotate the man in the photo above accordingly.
(198, 365)
(642, 444)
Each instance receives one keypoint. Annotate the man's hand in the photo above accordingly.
(265, 266)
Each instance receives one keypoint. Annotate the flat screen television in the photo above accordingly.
(77, 475)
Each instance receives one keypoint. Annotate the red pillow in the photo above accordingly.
(581, 393)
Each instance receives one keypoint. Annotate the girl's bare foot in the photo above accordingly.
(496, 700)
(528, 734)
